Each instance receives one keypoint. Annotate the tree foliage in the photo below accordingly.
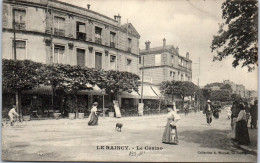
(220, 95)
(19, 76)
(115, 81)
(178, 88)
(238, 35)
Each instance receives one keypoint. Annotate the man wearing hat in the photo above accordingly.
(209, 111)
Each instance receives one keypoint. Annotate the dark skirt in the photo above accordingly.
(93, 119)
(170, 134)
(242, 136)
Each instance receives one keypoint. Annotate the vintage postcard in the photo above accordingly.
(130, 81)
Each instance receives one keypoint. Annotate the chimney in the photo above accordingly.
(177, 49)
(115, 17)
(147, 45)
(88, 6)
(119, 19)
(164, 42)
(187, 55)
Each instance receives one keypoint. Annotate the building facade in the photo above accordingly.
(236, 88)
(50, 31)
(164, 63)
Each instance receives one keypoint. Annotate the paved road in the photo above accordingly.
(73, 140)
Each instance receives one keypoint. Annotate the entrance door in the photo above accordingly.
(98, 60)
(81, 57)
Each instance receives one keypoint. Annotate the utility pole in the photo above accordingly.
(15, 57)
(142, 88)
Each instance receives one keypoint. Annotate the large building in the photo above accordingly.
(236, 88)
(50, 31)
(164, 63)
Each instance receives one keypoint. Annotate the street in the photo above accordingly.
(140, 140)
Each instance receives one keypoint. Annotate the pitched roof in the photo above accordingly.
(129, 28)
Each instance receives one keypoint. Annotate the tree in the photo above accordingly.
(178, 88)
(19, 76)
(220, 95)
(238, 35)
(116, 81)
(226, 86)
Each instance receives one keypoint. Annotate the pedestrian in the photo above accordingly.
(247, 109)
(253, 112)
(12, 113)
(209, 111)
(93, 115)
(242, 136)
(235, 111)
(170, 134)
(186, 109)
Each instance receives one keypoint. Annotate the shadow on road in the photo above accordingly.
(208, 138)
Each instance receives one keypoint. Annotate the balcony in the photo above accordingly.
(112, 45)
(20, 25)
(59, 32)
(129, 49)
(98, 40)
(81, 36)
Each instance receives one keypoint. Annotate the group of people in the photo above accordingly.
(239, 121)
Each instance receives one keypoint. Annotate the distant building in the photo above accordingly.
(236, 88)
(164, 63)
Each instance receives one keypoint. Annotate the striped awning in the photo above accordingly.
(148, 93)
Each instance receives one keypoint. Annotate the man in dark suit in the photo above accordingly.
(209, 111)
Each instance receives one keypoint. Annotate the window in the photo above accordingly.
(157, 60)
(19, 16)
(58, 56)
(173, 75)
(59, 26)
(140, 59)
(179, 61)
(98, 60)
(20, 50)
(81, 57)
(128, 65)
(129, 45)
(112, 39)
(81, 31)
(182, 77)
(98, 35)
(112, 62)
(170, 73)
(172, 60)
(184, 63)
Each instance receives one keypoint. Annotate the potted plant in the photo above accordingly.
(81, 109)
(72, 106)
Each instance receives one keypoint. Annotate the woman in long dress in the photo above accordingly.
(170, 134)
(242, 136)
(93, 115)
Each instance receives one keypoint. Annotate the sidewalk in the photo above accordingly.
(252, 148)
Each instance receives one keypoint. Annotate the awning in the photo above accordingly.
(47, 90)
(95, 91)
(133, 94)
(148, 93)
(156, 90)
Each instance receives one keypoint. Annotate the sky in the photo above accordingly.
(188, 24)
